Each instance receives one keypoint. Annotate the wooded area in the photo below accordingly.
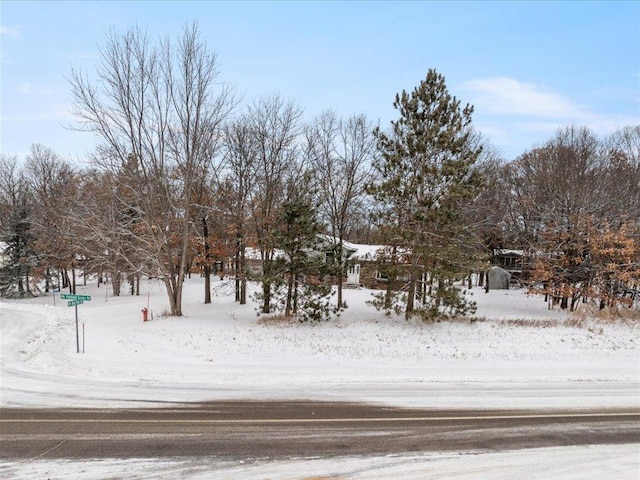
(186, 182)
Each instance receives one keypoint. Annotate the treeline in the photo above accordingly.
(183, 180)
(573, 205)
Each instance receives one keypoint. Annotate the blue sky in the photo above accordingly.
(527, 67)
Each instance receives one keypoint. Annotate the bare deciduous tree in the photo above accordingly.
(52, 182)
(622, 149)
(15, 230)
(275, 125)
(341, 153)
(558, 183)
(238, 181)
(158, 110)
(558, 189)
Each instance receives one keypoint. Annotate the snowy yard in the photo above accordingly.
(224, 351)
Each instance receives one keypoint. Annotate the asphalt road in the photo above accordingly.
(290, 429)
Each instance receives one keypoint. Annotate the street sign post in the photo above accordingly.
(73, 296)
(74, 301)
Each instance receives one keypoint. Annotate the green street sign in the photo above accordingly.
(72, 296)
(74, 301)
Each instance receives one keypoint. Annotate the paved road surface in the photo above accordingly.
(289, 429)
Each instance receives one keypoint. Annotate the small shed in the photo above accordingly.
(498, 279)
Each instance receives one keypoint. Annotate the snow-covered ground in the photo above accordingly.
(545, 359)
(597, 462)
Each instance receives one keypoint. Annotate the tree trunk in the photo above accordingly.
(207, 284)
(288, 308)
(243, 284)
(574, 302)
(266, 296)
(341, 271)
(243, 291)
(116, 283)
(174, 292)
(207, 266)
(238, 280)
(440, 294)
(241, 281)
(295, 295)
(237, 267)
(66, 283)
(411, 295)
(178, 302)
(423, 288)
(387, 296)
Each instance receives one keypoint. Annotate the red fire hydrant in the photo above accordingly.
(144, 314)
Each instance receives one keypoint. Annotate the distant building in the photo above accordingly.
(516, 262)
(498, 278)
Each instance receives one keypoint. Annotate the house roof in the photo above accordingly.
(355, 251)
(365, 252)
(329, 240)
(508, 252)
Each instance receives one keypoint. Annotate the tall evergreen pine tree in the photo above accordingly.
(425, 175)
(298, 278)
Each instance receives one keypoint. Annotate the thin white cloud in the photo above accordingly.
(518, 115)
(58, 112)
(611, 123)
(27, 88)
(507, 96)
(601, 124)
(13, 32)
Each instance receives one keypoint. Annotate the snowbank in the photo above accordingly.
(567, 463)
